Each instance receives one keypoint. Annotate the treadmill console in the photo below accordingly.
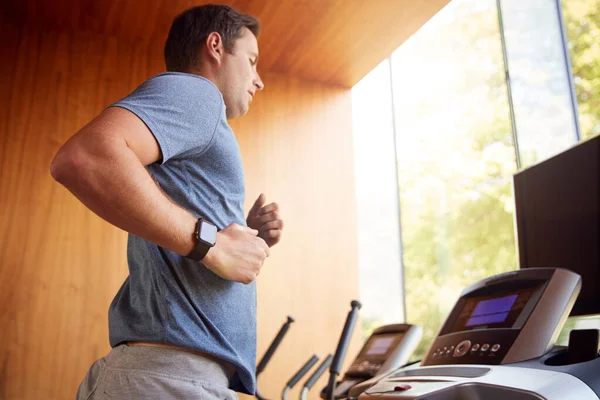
(496, 344)
(508, 318)
(389, 347)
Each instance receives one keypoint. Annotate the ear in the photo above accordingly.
(215, 47)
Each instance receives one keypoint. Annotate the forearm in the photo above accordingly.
(113, 183)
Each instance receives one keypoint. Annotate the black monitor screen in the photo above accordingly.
(558, 218)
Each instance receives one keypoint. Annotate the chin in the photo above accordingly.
(237, 113)
(243, 111)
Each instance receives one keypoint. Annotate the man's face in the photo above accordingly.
(239, 78)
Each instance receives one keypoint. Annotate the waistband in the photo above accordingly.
(170, 360)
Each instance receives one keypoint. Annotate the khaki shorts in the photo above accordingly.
(146, 372)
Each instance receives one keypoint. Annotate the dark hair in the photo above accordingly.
(191, 28)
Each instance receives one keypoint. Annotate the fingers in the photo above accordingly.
(249, 230)
(268, 208)
(272, 216)
(272, 234)
(260, 241)
(258, 203)
(275, 224)
(242, 254)
(262, 244)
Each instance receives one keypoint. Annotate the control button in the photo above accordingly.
(445, 348)
(495, 348)
(462, 348)
(438, 351)
(452, 348)
(402, 388)
(435, 354)
(448, 351)
(475, 347)
(485, 347)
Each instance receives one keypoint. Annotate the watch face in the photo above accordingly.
(208, 232)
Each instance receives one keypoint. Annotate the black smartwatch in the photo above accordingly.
(205, 236)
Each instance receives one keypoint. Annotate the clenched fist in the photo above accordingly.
(238, 254)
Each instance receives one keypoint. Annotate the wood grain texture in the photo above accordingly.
(331, 41)
(62, 265)
(297, 148)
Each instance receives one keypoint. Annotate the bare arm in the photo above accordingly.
(103, 166)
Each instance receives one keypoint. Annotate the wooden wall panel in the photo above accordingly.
(297, 148)
(61, 264)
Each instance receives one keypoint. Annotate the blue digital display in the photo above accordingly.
(491, 311)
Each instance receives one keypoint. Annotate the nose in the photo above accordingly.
(258, 83)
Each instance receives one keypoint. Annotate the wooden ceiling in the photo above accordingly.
(330, 41)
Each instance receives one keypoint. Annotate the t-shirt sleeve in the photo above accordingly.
(181, 111)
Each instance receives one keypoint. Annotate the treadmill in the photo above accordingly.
(498, 343)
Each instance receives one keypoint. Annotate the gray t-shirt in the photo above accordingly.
(168, 298)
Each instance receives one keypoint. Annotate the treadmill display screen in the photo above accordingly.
(492, 311)
(378, 346)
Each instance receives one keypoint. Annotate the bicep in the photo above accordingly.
(121, 126)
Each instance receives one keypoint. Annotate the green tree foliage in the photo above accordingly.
(456, 159)
(582, 20)
(456, 154)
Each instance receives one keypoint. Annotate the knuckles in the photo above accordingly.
(249, 278)
(275, 234)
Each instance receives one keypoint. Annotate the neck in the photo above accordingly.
(206, 73)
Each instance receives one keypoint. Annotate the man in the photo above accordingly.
(164, 165)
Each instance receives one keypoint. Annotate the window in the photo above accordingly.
(543, 105)
(461, 128)
(380, 279)
(455, 159)
(582, 22)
